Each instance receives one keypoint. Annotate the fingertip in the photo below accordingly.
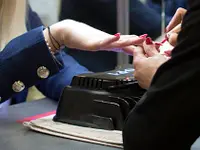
(150, 49)
(114, 38)
(149, 41)
(167, 29)
(138, 41)
(168, 53)
(173, 39)
(158, 44)
(117, 35)
(143, 36)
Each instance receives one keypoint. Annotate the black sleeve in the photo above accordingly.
(167, 117)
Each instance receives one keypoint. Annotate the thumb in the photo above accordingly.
(138, 52)
(173, 39)
(149, 47)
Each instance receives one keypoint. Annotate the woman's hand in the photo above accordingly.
(176, 19)
(174, 26)
(146, 62)
(81, 36)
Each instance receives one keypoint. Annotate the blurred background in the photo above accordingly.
(48, 10)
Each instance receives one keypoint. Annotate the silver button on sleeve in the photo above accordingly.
(43, 72)
(18, 86)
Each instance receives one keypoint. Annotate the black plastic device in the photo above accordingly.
(99, 100)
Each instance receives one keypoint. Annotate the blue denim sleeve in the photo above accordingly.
(20, 60)
(53, 87)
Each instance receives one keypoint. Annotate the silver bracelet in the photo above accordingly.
(50, 49)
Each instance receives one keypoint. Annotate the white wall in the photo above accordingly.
(144, 1)
(47, 10)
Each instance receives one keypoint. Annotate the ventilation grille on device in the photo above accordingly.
(95, 83)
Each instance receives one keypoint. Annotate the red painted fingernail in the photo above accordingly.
(143, 36)
(168, 52)
(149, 41)
(158, 44)
(117, 35)
(163, 41)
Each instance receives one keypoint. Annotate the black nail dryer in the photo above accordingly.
(99, 100)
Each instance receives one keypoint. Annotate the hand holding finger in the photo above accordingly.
(172, 38)
(149, 47)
